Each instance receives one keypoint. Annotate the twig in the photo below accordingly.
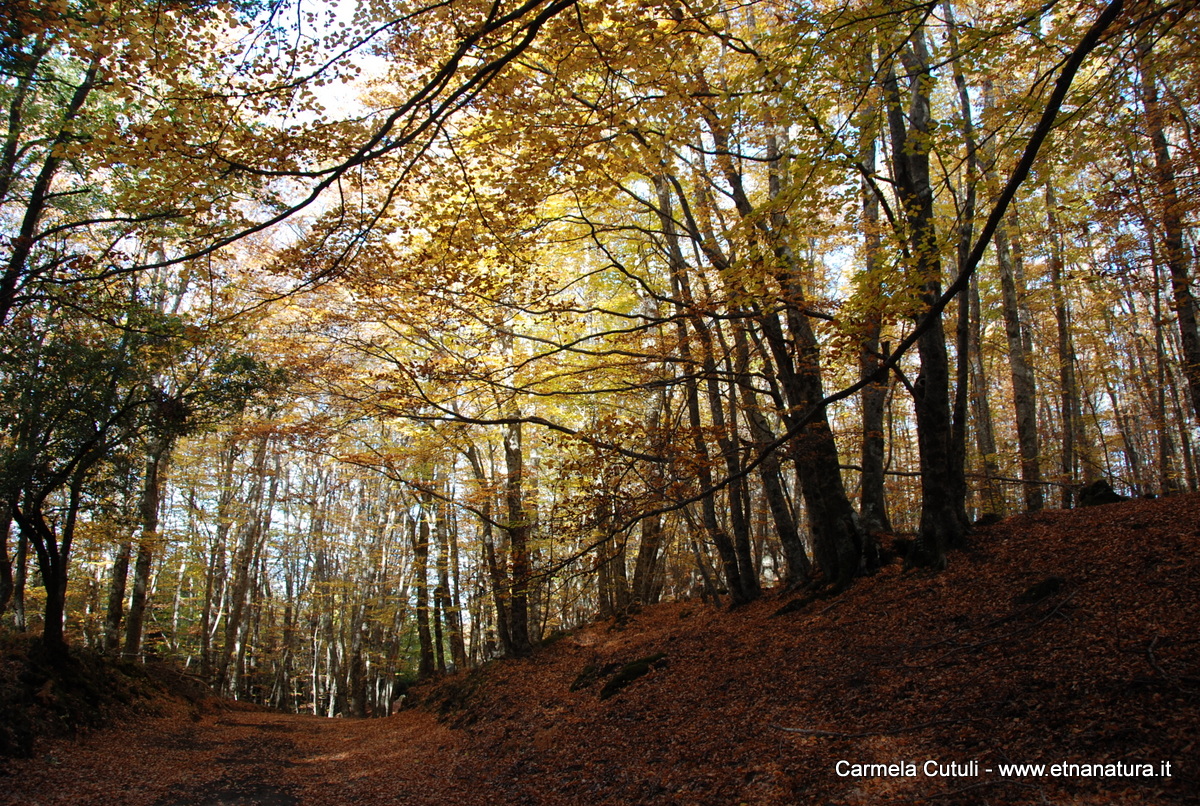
(1154, 661)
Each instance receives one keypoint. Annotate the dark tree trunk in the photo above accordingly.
(941, 527)
(770, 473)
(645, 569)
(420, 545)
(518, 535)
(115, 611)
(6, 563)
(156, 465)
(497, 573)
(872, 498)
(689, 318)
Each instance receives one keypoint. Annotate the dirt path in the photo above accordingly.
(249, 758)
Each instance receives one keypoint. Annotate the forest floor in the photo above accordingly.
(1058, 637)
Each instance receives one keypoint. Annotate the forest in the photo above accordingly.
(343, 345)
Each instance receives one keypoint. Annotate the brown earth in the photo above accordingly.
(1059, 637)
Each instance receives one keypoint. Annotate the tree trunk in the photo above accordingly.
(6, 563)
(156, 465)
(497, 572)
(985, 435)
(1072, 415)
(1184, 303)
(770, 473)
(941, 527)
(518, 536)
(20, 574)
(687, 316)
(241, 571)
(420, 546)
(966, 229)
(645, 570)
(872, 508)
(453, 603)
(115, 612)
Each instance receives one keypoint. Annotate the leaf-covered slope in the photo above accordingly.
(1059, 637)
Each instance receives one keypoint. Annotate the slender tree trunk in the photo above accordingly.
(1184, 302)
(216, 579)
(156, 465)
(770, 473)
(645, 569)
(20, 574)
(241, 571)
(1020, 360)
(453, 603)
(6, 563)
(679, 283)
(497, 573)
(1072, 415)
(420, 545)
(115, 612)
(985, 435)
(518, 536)
(872, 498)
(966, 229)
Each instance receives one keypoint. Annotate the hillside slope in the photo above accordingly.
(1060, 637)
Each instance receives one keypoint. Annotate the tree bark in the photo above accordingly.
(872, 498)
(6, 562)
(1072, 414)
(420, 546)
(941, 527)
(1171, 218)
(156, 465)
(517, 527)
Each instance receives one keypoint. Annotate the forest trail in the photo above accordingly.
(251, 758)
(1057, 637)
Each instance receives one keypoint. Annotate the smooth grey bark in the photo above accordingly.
(966, 229)
(985, 435)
